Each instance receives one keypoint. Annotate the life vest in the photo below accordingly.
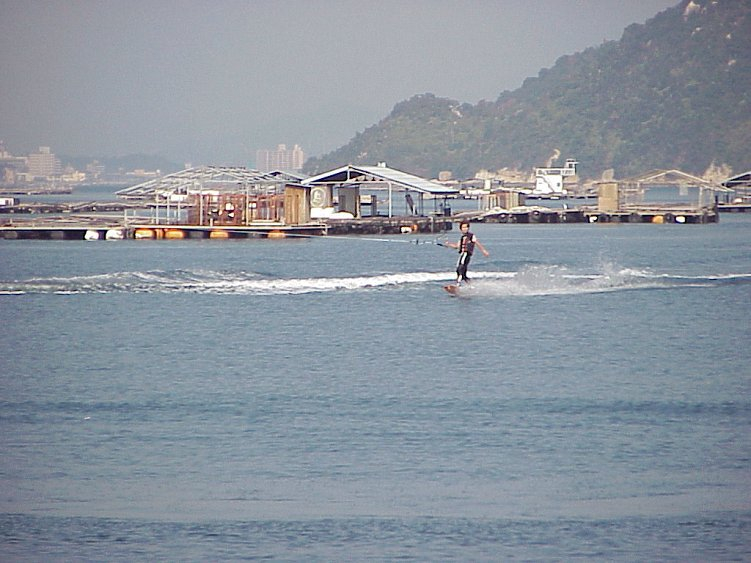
(467, 243)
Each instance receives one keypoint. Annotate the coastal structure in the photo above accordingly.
(669, 196)
(739, 199)
(236, 202)
(549, 181)
(212, 196)
(354, 186)
(658, 196)
(222, 202)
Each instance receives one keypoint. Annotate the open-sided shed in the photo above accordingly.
(350, 182)
(740, 183)
(658, 188)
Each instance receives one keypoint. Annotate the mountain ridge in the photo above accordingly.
(671, 93)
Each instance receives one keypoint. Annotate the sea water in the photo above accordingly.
(324, 399)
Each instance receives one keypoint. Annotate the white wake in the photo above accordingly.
(535, 280)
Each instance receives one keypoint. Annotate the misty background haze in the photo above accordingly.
(212, 82)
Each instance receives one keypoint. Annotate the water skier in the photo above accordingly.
(466, 247)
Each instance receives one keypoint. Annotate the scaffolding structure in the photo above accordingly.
(209, 195)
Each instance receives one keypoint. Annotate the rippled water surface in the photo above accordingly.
(587, 398)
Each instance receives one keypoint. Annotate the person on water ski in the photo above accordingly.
(466, 247)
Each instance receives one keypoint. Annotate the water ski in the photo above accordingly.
(452, 289)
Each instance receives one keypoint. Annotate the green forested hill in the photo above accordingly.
(671, 93)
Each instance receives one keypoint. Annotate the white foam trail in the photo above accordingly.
(310, 285)
(558, 280)
(210, 282)
(536, 280)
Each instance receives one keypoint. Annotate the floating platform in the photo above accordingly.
(223, 232)
(99, 227)
(104, 228)
(36, 190)
(66, 208)
(735, 208)
(67, 230)
(536, 214)
(389, 225)
(62, 228)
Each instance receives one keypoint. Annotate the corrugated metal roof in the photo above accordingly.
(352, 174)
(288, 176)
(741, 180)
(200, 178)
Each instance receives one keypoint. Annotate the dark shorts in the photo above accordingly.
(461, 266)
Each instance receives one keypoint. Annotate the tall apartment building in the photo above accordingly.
(43, 164)
(281, 158)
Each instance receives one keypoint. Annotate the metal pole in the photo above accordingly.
(200, 207)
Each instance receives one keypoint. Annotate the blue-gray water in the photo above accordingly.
(324, 399)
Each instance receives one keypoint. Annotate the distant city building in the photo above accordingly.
(11, 167)
(43, 164)
(95, 170)
(281, 158)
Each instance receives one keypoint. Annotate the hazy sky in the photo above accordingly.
(211, 81)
